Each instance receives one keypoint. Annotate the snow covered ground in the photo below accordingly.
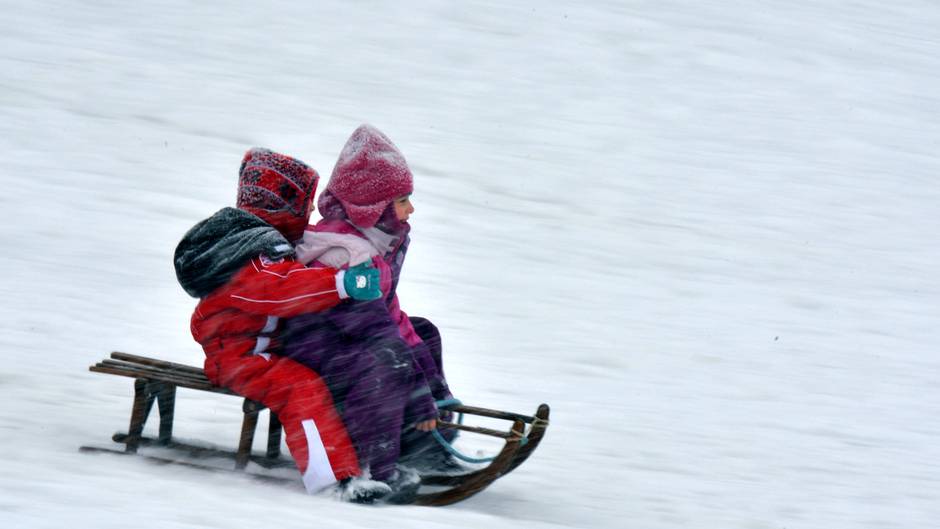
(705, 232)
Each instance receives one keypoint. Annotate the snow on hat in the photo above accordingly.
(278, 189)
(370, 173)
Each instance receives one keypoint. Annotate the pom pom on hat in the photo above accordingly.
(277, 188)
(370, 173)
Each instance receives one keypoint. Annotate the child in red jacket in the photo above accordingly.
(240, 263)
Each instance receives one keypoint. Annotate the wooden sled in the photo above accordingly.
(156, 382)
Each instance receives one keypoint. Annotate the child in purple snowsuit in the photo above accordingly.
(383, 368)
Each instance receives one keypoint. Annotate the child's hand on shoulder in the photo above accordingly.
(362, 282)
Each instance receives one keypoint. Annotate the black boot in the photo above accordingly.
(422, 452)
(404, 487)
(363, 490)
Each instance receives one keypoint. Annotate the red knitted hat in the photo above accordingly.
(370, 173)
(277, 188)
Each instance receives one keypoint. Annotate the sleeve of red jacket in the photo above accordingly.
(283, 288)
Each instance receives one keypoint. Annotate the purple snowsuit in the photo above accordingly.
(383, 368)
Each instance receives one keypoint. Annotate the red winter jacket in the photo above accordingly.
(240, 317)
(243, 271)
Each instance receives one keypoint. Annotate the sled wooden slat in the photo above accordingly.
(154, 376)
(495, 414)
(476, 429)
(143, 360)
(182, 375)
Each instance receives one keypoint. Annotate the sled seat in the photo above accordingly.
(156, 381)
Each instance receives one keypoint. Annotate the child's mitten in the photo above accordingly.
(360, 282)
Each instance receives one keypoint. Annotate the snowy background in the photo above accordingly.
(706, 232)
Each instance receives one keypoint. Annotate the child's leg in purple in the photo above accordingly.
(378, 386)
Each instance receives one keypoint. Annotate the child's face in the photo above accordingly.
(403, 207)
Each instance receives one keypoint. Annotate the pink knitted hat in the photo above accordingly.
(370, 173)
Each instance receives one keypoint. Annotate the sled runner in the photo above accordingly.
(156, 381)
